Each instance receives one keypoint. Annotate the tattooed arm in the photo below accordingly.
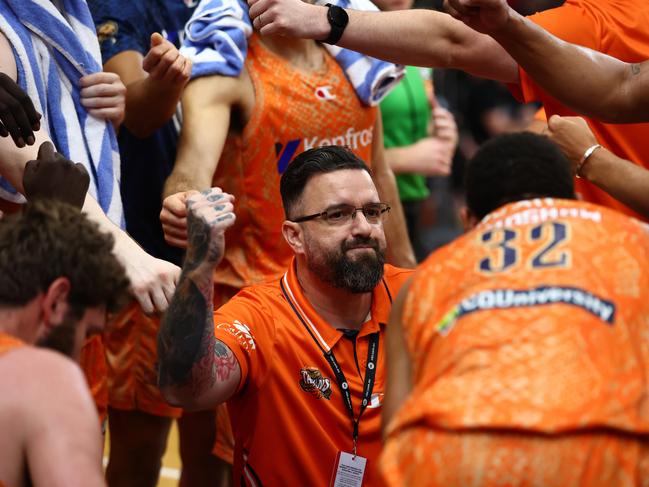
(197, 371)
(587, 81)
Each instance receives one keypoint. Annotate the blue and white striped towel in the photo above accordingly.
(53, 51)
(216, 42)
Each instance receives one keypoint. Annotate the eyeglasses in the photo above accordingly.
(342, 214)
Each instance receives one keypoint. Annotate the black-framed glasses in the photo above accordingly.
(341, 214)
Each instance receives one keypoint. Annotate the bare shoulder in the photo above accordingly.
(43, 375)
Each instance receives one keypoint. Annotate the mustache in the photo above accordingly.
(360, 242)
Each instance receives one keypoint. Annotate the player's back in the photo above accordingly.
(536, 320)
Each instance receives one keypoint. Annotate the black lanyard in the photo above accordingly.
(368, 384)
(343, 385)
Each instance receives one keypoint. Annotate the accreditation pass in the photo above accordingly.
(348, 470)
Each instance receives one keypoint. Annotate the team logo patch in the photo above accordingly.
(107, 31)
(241, 332)
(313, 382)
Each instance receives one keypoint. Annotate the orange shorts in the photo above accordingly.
(427, 457)
(93, 364)
(131, 355)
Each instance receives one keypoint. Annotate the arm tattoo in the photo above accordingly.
(635, 69)
(188, 352)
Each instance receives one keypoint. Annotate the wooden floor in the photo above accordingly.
(170, 472)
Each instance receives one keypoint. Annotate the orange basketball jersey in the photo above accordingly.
(535, 321)
(295, 110)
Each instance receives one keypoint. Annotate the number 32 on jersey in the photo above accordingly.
(539, 247)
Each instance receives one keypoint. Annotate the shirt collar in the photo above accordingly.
(325, 335)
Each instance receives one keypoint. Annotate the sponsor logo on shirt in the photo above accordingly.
(493, 299)
(107, 32)
(313, 382)
(241, 332)
(324, 93)
(354, 139)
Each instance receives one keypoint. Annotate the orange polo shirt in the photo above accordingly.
(288, 417)
(619, 29)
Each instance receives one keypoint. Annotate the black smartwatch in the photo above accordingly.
(338, 20)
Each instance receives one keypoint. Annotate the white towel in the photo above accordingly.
(53, 51)
(216, 42)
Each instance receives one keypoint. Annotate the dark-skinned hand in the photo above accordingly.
(52, 176)
(18, 117)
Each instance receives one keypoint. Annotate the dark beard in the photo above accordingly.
(62, 337)
(360, 275)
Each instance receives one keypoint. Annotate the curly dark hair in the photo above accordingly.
(515, 167)
(50, 240)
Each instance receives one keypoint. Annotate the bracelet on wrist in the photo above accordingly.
(587, 153)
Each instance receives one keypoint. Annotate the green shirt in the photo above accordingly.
(406, 114)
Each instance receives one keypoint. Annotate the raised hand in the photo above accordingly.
(17, 113)
(174, 218)
(164, 62)
(290, 18)
(572, 135)
(104, 96)
(486, 16)
(209, 214)
(52, 176)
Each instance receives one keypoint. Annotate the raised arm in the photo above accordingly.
(399, 372)
(399, 250)
(154, 84)
(207, 106)
(622, 179)
(197, 371)
(589, 82)
(412, 37)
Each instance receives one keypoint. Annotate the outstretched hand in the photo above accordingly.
(289, 18)
(486, 16)
(18, 116)
(52, 176)
(209, 214)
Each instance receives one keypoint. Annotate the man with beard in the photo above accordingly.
(299, 359)
(60, 280)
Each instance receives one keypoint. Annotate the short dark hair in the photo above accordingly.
(50, 240)
(514, 167)
(319, 160)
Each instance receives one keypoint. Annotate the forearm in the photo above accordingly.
(149, 105)
(620, 178)
(426, 38)
(399, 251)
(589, 82)
(400, 159)
(196, 370)
(183, 178)
(186, 340)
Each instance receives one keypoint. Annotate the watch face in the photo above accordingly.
(338, 16)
